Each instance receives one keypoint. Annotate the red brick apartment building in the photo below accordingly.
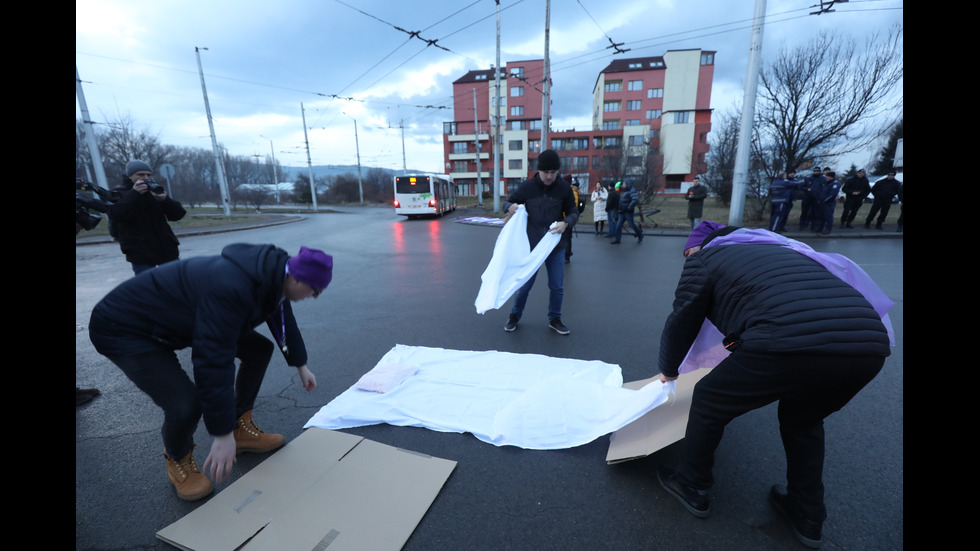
(650, 122)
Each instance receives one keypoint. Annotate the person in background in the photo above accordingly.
(612, 208)
(548, 200)
(599, 213)
(141, 217)
(781, 192)
(884, 191)
(808, 205)
(801, 336)
(629, 199)
(826, 202)
(580, 206)
(695, 197)
(855, 189)
(211, 304)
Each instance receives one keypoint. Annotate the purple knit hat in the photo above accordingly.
(699, 233)
(312, 267)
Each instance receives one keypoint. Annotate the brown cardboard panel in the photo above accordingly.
(325, 490)
(660, 427)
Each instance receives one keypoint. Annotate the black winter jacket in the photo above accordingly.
(769, 299)
(144, 235)
(207, 303)
(544, 205)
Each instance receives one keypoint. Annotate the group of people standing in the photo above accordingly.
(616, 205)
(818, 194)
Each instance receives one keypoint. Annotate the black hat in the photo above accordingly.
(549, 160)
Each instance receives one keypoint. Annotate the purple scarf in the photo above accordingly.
(707, 350)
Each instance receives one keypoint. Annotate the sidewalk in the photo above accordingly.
(82, 239)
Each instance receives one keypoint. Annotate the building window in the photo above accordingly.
(656, 64)
(516, 91)
(515, 164)
(459, 166)
(517, 110)
(634, 161)
(682, 117)
(632, 122)
(610, 125)
(535, 125)
(516, 125)
(653, 114)
(534, 146)
(634, 105)
(707, 59)
(459, 147)
(515, 145)
(596, 160)
(481, 77)
(636, 139)
(449, 128)
(635, 65)
(635, 85)
(610, 106)
(580, 163)
(614, 86)
(655, 93)
(612, 142)
(517, 72)
(654, 133)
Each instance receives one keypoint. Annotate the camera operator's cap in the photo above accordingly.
(312, 267)
(134, 166)
(549, 160)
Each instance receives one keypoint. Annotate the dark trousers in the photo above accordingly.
(852, 203)
(159, 374)
(808, 389)
(880, 208)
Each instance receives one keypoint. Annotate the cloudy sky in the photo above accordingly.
(340, 61)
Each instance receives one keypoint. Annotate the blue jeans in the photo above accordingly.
(624, 218)
(613, 220)
(555, 264)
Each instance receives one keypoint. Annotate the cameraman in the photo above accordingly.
(141, 217)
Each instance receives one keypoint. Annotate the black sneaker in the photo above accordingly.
(806, 531)
(558, 326)
(511, 323)
(639, 238)
(696, 502)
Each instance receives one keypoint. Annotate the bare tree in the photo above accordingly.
(121, 141)
(820, 100)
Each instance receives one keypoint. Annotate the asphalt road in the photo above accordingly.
(414, 282)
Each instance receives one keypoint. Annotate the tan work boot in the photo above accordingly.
(250, 438)
(190, 482)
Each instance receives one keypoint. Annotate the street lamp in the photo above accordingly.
(275, 176)
(360, 186)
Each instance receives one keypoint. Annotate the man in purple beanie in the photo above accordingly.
(211, 304)
(805, 329)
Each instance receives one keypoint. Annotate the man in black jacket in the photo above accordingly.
(548, 200)
(855, 189)
(796, 333)
(140, 219)
(884, 191)
(211, 304)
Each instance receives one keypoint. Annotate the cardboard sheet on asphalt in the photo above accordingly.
(325, 490)
(659, 427)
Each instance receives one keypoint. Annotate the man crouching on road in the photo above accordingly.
(213, 305)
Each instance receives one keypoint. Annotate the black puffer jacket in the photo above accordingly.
(207, 303)
(144, 235)
(544, 205)
(769, 299)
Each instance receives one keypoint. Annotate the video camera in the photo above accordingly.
(89, 197)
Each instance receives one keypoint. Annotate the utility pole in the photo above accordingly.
(741, 170)
(401, 124)
(546, 89)
(219, 165)
(476, 145)
(309, 162)
(496, 123)
(275, 171)
(93, 145)
(360, 186)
